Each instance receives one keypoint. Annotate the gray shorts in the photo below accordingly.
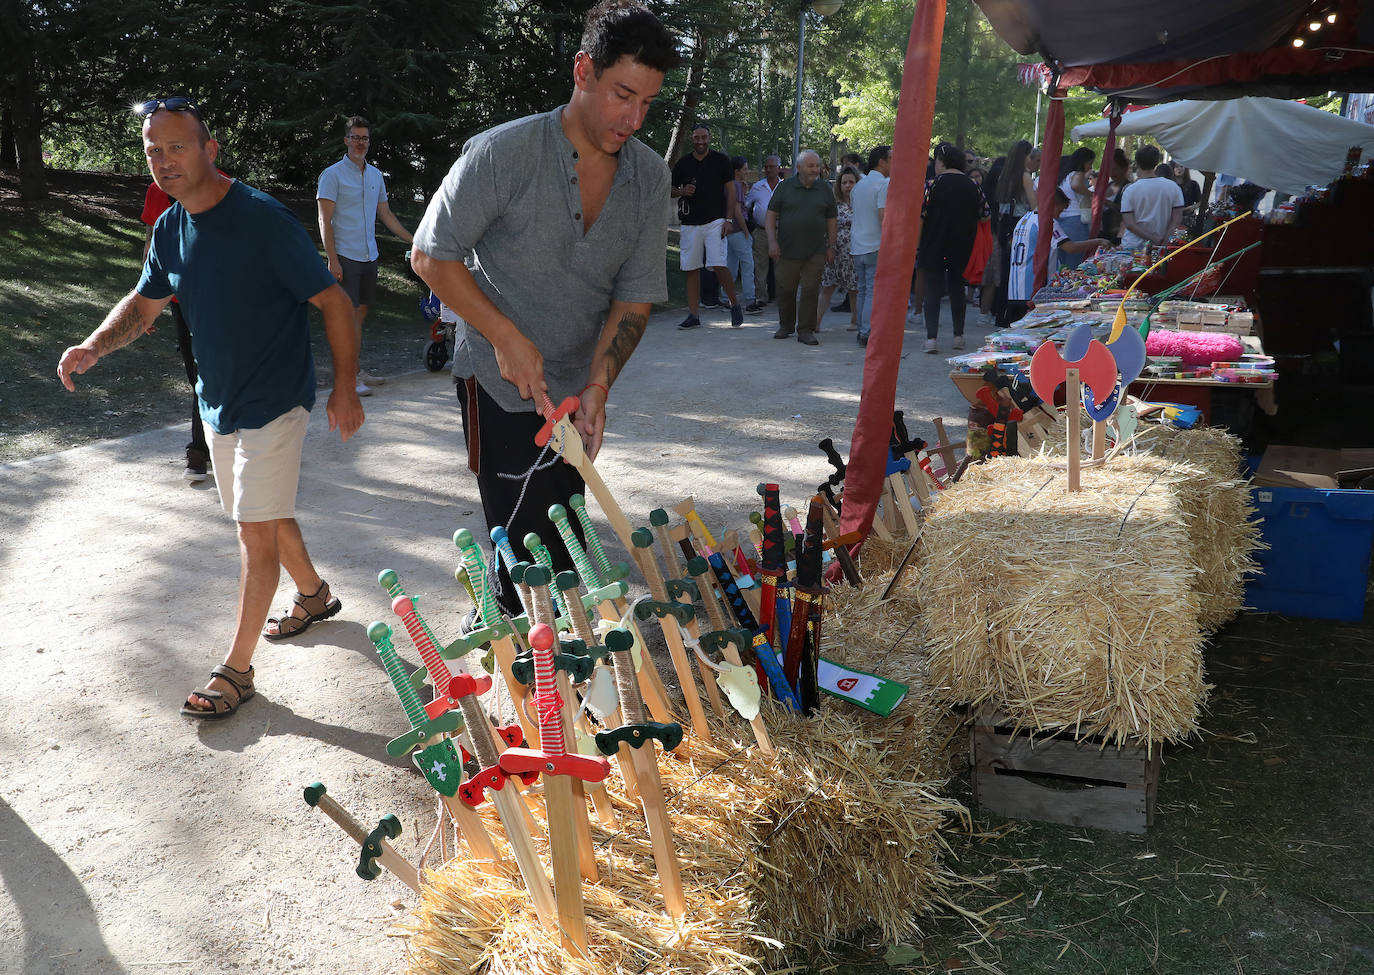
(359, 280)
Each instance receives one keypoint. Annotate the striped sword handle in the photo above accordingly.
(591, 577)
(501, 539)
(603, 561)
(439, 674)
(380, 635)
(476, 569)
(541, 555)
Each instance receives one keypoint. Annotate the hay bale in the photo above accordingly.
(835, 836)
(1067, 611)
(1216, 506)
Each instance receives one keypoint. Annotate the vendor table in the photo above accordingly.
(1191, 392)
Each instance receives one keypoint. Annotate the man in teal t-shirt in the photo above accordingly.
(245, 268)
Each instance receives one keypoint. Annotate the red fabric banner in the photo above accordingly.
(1050, 152)
(897, 256)
(1104, 173)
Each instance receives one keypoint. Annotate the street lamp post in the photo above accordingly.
(825, 8)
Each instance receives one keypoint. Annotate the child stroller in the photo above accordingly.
(441, 332)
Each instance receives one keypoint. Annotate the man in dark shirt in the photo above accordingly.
(801, 237)
(702, 182)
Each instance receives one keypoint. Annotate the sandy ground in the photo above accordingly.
(135, 840)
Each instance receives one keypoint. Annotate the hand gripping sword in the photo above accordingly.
(558, 769)
(560, 433)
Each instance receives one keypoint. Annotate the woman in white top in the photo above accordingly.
(1077, 186)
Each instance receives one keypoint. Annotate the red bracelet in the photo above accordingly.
(604, 389)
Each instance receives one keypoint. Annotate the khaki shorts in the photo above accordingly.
(257, 471)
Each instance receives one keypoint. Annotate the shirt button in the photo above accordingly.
(577, 216)
(574, 179)
(574, 153)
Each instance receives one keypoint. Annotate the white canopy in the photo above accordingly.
(1283, 145)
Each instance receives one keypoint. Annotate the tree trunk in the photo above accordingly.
(9, 159)
(961, 110)
(27, 136)
(696, 71)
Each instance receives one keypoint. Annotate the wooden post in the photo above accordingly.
(943, 446)
(1073, 403)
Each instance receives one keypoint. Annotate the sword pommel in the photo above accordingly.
(536, 576)
(642, 537)
(658, 517)
(387, 578)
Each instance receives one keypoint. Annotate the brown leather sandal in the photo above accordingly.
(220, 705)
(320, 606)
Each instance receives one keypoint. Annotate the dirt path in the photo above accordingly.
(132, 840)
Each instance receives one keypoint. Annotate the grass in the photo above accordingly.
(1258, 860)
(63, 266)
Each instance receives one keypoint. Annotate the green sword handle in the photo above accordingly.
(536, 548)
(591, 577)
(380, 635)
(476, 569)
(609, 572)
(391, 582)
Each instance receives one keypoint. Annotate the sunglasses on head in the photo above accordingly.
(174, 104)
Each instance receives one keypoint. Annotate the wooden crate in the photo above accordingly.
(1055, 779)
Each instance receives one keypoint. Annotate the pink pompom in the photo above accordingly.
(1195, 348)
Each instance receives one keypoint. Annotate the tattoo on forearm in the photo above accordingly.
(123, 325)
(628, 331)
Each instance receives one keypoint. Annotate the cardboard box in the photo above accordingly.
(1298, 467)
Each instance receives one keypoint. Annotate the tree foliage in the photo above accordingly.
(276, 78)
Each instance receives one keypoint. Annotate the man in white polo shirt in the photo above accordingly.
(350, 198)
(868, 201)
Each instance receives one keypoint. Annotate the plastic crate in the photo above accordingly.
(1317, 563)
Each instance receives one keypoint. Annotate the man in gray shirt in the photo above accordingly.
(547, 238)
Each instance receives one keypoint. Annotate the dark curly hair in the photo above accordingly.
(616, 28)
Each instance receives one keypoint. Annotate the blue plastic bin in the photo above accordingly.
(1317, 563)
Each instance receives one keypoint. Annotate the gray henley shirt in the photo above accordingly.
(510, 208)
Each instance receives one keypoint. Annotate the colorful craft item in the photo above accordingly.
(1096, 368)
(1195, 348)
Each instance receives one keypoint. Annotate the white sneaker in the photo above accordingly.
(364, 390)
(930, 346)
(371, 380)
(958, 343)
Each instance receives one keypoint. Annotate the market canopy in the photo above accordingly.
(1170, 49)
(1283, 145)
